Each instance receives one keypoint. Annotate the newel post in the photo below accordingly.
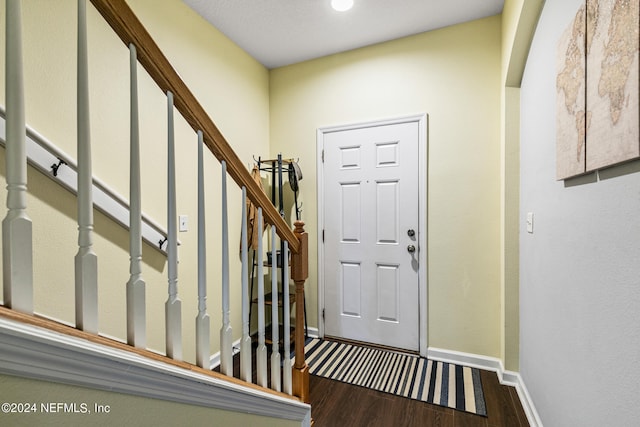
(299, 274)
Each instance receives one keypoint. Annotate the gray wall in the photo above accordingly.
(580, 269)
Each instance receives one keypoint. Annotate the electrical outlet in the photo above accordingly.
(183, 223)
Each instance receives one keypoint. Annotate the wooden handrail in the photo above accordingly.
(130, 30)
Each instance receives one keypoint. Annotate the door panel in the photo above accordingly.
(371, 289)
(387, 212)
(388, 292)
(351, 289)
(350, 212)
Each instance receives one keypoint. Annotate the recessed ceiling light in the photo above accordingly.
(341, 5)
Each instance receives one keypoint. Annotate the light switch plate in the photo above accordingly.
(183, 223)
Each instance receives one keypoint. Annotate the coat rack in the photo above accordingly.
(275, 168)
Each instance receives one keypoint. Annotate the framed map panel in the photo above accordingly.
(571, 99)
(613, 84)
(598, 88)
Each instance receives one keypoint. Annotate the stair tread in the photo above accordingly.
(268, 300)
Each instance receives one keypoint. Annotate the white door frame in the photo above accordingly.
(422, 120)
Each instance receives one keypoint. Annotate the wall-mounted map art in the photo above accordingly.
(571, 80)
(598, 67)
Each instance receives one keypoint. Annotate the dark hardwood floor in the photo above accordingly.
(338, 404)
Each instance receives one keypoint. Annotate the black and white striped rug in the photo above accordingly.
(444, 384)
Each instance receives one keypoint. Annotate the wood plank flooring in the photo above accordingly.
(338, 404)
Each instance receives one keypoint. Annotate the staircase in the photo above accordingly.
(34, 345)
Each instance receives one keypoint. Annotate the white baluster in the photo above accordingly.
(17, 253)
(275, 324)
(136, 324)
(286, 368)
(86, 261)
(203, 350)
(173, 306)
(245, 343)
(261, 352)
(226, 337)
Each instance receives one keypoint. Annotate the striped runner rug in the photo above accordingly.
(407, 375)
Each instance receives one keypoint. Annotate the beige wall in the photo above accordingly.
(509, 196)
(124, 409)
(232, 87)
(519, 19)
(453, 75)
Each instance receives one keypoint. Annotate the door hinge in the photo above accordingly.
(323, 236)
(323, 155)
(323, 314)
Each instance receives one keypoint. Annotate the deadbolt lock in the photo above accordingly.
(411, 232)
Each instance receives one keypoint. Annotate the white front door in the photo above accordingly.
(371, 229)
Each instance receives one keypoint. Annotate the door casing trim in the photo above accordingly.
(423, 143)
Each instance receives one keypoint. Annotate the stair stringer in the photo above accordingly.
(39, 353)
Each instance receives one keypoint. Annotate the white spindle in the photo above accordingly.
(17, 253)
(86, 261)
(173, 306)
(261, 352)
(202, 320)
(286, 368)
(136, 324)
(245, 343)
(275, 354)
(226, 337)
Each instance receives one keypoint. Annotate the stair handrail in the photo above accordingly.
(128, 27)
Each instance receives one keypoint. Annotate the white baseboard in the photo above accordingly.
(509, 378)
(313, 332)
(527, 403)
(466, 359)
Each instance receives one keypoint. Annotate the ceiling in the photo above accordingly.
(283, 32)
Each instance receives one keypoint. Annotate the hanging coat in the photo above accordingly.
(253, 228)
